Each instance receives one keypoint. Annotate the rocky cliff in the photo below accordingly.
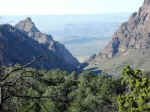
(25, 42)
(57, 48)
(133, 34)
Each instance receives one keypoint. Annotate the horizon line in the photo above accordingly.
(65, 14)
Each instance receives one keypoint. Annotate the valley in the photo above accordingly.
(83, 35)
(76, 63)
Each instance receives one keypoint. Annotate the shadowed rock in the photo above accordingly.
(24, 42)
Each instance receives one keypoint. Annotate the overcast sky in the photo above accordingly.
(27, 7)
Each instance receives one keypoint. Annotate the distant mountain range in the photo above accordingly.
(83, 35)
(130, 44)
(24, 41)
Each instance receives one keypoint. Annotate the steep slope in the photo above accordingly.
(58, 49)
(132, 36)
(18, 47)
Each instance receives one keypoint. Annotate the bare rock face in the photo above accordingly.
(58, 49)
(132, 34)
(130, 45)
(24, 42)
(31, 30)
(27, 25)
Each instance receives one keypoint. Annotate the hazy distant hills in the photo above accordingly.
(130, 44)
(83, 35)
(87, 39)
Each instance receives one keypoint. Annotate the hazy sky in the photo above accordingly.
(27, 7)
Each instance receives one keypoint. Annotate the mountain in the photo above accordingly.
(83, 35)
(130, 44)
(24, 42)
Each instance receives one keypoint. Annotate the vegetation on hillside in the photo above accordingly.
(29, 90)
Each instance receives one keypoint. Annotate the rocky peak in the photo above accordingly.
(27, 25)
(30, 28)
(135, 33)
(146, 2)
(28, 19)
(47, 41)
(18, 46)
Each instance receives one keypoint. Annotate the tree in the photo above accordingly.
(136, 98)
(14, 82)
(95, 93)
(29, 90)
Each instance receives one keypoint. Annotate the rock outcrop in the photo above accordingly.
(24, 42)
(57, 48)
(133, 34)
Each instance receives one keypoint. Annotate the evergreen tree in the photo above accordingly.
(136, 98)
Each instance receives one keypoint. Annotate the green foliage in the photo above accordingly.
(137, 95)
(58, 91)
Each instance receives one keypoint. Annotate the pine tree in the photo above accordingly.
(136, 98)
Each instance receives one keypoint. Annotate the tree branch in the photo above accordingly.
(24, 66)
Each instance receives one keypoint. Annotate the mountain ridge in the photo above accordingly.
(133, 34)
(22, 42)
